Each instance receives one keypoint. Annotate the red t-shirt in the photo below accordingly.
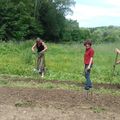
(88, 54)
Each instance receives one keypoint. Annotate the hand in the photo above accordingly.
(88, 68)
(118, 62)
(117, 50)
(41, 52)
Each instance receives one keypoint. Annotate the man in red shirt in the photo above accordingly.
(88, 61)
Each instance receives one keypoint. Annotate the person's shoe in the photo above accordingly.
(87, 88)
(42, 75)
(34, 70)
(90, 86)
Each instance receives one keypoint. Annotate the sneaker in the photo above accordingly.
(42, 75)
(90, 86)
(35, 70)
(87, 88)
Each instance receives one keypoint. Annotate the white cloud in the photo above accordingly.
(113, 2)
(95, 14)
(86, 12)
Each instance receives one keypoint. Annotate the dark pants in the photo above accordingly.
(88, 83)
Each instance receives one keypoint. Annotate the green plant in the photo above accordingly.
(63, 61)
(97, 109)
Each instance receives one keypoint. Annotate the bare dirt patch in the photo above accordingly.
(37, 104)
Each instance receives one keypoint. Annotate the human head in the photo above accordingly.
(38, 39)
(88, 44)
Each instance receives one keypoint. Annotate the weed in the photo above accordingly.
(22, 103)
(63, 61)
(97, 109)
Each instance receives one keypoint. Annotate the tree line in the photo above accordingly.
(26, 19)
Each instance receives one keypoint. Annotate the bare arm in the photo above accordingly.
(45, 47)
(91, 59)
(33, 47)
(117, 50)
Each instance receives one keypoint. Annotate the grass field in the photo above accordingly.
(63, 61)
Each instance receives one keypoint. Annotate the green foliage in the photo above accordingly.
(76, 35)
(84, 34)
(63, 61)
(52, 16)
(71, 31)
(97, 36)
(97, 109)
(67, 36)
(26, 19)
(27, 57)
(22, 103)
(105, 34)
(16, 21)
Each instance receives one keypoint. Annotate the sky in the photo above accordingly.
(95, 13)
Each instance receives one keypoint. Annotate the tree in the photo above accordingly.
(71, 31)
(51, 13)
(16, 21)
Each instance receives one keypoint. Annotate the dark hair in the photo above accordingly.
(89, 42)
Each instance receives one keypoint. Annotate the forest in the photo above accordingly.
(22, 20)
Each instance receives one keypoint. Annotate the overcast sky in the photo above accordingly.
(94, 13)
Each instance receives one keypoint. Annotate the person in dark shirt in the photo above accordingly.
(41, 48)
(88, 62)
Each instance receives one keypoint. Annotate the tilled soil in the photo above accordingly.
(38, 104)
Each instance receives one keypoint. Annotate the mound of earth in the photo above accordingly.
(38, 104)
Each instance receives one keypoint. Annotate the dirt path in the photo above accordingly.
(37, 104)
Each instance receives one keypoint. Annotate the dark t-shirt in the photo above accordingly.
(39, 46)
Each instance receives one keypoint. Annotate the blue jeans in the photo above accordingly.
(88, 83)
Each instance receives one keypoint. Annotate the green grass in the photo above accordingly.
(12, 82)
(63, 61)
(22, 103)
(97, 109)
